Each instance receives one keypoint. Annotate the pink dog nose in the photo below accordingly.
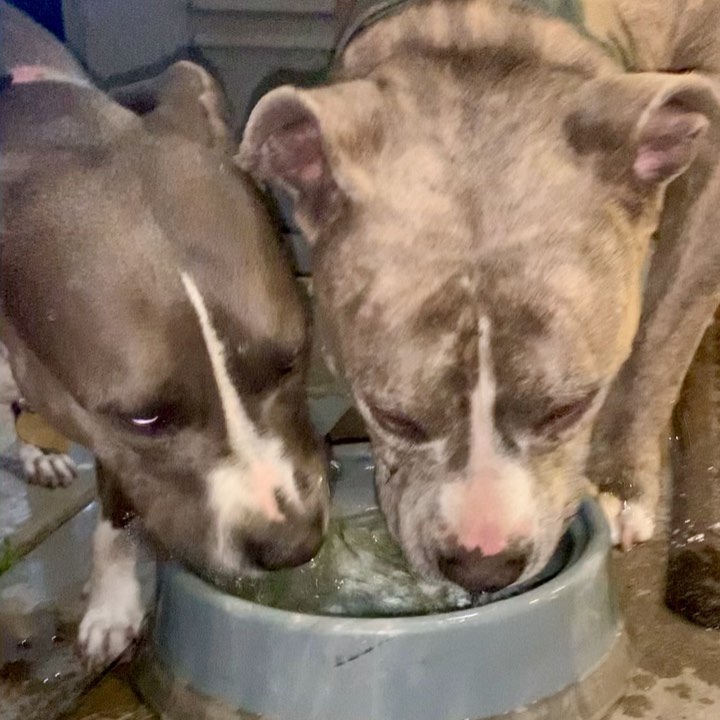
(489, 537)
(485, 514)
(480, 573)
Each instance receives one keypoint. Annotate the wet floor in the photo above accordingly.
(111, 699)
(28, 513)
(678, 675)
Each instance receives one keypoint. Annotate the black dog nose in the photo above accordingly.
(478, 573)
(287, 544)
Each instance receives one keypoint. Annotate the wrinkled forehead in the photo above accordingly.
(415, 324)
(539, 311)
(499, 161)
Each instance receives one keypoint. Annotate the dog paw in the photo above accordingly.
(630, 522)
(47, 469)
(107, 631)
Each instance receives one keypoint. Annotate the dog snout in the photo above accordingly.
(484, 573)
(312, 482)
(285, 544)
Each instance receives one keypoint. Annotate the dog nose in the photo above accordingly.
(483, 573)
(286, 544)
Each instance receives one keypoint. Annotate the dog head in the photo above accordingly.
(480, 223)
(151, 315)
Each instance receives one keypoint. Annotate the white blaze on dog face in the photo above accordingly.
(493, 505)
(244, 485)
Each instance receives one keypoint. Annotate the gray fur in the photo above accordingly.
(104, 206)
(473, 159)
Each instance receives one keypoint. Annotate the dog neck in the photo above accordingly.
(485, 24)
(361, 18)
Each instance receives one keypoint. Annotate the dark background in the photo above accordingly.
(46, 12)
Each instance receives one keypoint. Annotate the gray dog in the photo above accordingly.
(150, 315)
(486, 184)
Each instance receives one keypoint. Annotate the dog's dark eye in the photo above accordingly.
(288, 368)
(152, 422)
(397, 423)
(563, 417)
(145, 423)
(288, 363)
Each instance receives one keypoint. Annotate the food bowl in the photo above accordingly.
(557, 650)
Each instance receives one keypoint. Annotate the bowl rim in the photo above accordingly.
(570, 577)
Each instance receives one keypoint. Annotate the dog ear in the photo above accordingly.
(185, 99)
(650, 125)
(312, 143)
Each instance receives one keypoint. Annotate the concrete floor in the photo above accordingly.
(678, 675)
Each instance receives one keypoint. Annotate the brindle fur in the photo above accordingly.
(476, 158)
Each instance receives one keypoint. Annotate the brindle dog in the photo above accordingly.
(481, 184)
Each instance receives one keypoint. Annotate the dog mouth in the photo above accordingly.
(415, 524)
(514, 572)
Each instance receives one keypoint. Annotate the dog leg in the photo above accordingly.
(9, 392)
(114, 615)
(693, 579)
(49, 469)
(683, 293)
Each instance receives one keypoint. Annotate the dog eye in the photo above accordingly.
(563, 417)
(151, 422)
(143, 423)
(288, 368)
(288, 363)
(397, 423)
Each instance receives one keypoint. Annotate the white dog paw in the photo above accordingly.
(630, 522)
(47, 469)
(107, 630)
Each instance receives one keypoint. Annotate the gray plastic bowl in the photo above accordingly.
(557, 651)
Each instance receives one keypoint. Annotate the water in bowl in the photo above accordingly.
(360, 572)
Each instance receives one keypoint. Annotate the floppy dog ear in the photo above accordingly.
(312, 143)
(650, 125)
(185, 99)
